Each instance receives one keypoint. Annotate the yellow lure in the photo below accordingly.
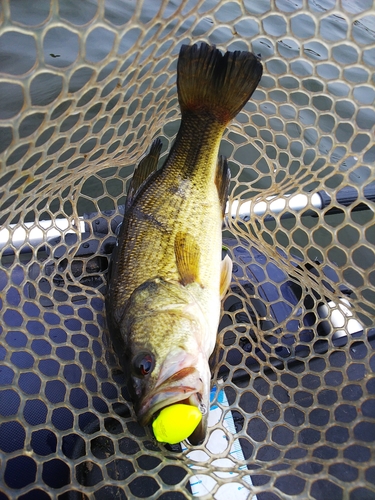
(175, 423)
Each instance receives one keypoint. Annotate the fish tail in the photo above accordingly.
(215, 84)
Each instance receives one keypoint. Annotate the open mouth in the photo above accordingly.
(184, 386)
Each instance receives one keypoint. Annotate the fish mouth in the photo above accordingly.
(185, 386)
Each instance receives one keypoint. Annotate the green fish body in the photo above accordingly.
(167, 278)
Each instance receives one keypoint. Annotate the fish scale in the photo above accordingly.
(197, 212)
(167, 279)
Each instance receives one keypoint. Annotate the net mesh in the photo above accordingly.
(84, 88)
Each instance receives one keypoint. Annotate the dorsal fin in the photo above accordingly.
(142, 172)
(222, 181)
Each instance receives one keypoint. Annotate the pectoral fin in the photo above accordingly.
(187, 257)
(142, 172)
(226, 275)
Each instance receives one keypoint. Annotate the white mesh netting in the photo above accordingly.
(84, 88)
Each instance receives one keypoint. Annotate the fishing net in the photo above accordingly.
(84, 89)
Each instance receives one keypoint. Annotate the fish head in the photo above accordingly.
(166, 355)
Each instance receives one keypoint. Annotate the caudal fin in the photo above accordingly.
(218, 85)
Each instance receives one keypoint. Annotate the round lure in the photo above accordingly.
(175, 423)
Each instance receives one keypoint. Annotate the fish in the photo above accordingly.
(167, 277)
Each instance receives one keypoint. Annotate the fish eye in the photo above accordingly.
(143, 363)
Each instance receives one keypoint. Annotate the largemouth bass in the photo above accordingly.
(167, 278)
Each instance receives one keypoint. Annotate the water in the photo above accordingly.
(18, 54)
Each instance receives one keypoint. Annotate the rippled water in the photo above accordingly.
(60, 46)
(61, 50)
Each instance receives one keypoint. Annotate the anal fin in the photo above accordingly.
(145, 168)
(187, 254)
(225, 275)
(222, 181)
